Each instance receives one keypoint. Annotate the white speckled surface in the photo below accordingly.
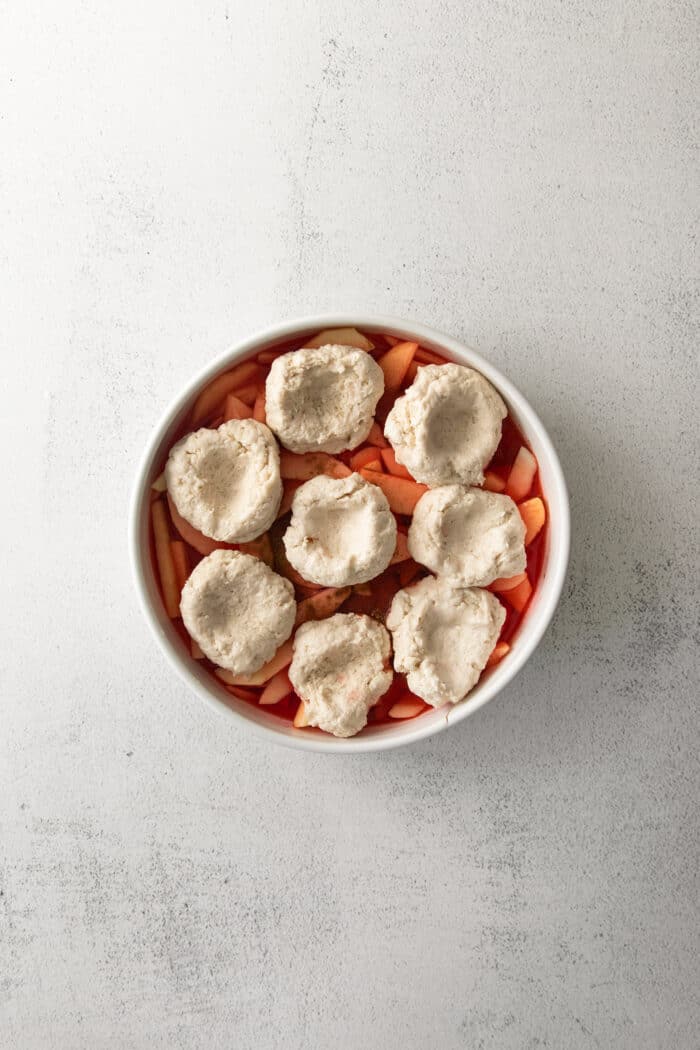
(521, 175)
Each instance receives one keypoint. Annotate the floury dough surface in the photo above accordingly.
(340, 669)
(470, 536)
(226, 482)
(323, 399)
(447, 425)
(442, 636)
(341, 531)
(238, 610)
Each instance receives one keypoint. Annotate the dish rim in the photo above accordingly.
(386, 736)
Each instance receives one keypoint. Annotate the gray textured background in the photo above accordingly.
(174, 176)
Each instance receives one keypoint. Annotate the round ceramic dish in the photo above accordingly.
(376, 737)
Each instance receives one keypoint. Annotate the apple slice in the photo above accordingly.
(276, 689)
(412, 372)
(300, 718)
(164, 558)
(493, 482)
(159, 484)
(249, 695)
(266, 357)
(260, 548)
(248, 394)
(321, 604)
(407, 707)
(363, 589)
(289, 488)
(394, 364)
(401, 553)
(310, 465)
(499, 651)
(519, 596)
(507, 583)
(281, 659)
(392, 465)
(190, 535)
(363, 456)
(234, 408)
(427, 357)
(408, 570)
(216, 391)
(178, 551)
(401, 493)
(534, 515)
(376, 436)
(306, 589)
(522, 475)
(341, 337)
(259, 406)
(196, 652)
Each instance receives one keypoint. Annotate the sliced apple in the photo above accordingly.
(401, 553)
(321, 604)
(522, 475)
(164, 558)
(401, 493)
(159, 484)
(391, 464)
(260, 548)
(248, 394)
(309, 465)
(196, 652)
(408, 570)
(493, 482)
(341, 337)
(406, 708)
(300, 718)
(533, 513)
(427, 357)
(507, 583)
(276, 689)
(281, 659)
(305, 589)
(376, 436)
(178, 551)
(289, 488)
(216, 391)
(364, 456)
(519, 596)
(234, 408)
(394, 364)
(412, 372)
(259, 406)
(499, 651)
(363, 589)
(190, 535)
(266, 357)
(249, 695)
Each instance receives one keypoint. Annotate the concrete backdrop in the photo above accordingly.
(521, 175)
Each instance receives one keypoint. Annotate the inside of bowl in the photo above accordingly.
(382, 734)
